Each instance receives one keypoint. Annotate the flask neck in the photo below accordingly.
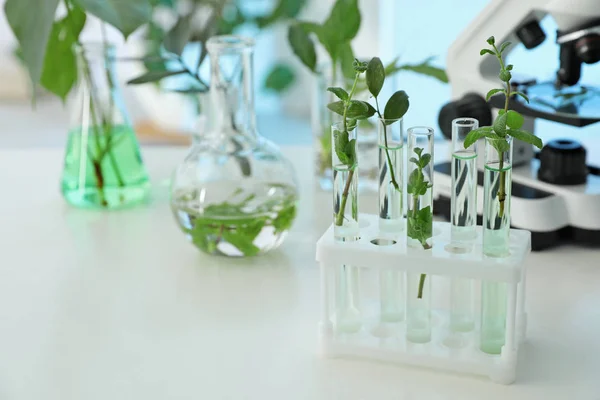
(97, 85)
(231, 87)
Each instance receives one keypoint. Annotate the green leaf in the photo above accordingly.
(396, 107)
(414, 160)
(523, 95)
(285, 218)
(339, 92)
(343, 22)
(476, 134)
(486, 51)
(154, 76)
(357, 109)
(501, 112)
(375, 76)
(283, 9)
(500, 125)
(60, 65)
(500, 144)
(526, 137)
(505, 75)
(493, 92)
(302, 46)
(31, 22)
(370, 110)
(280, 78)
(425, 159)
(243, 243)
(340, 142)
(415, 181)
(509, 67)
(125, 15)
(418, 151)
(491, 40)
(424, 68)
(351, 151)
(351, 123)
(179, 35)
(337, 107)
(514, 120)
(346, 57)
(504, 46)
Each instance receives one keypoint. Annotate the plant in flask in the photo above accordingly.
(497, 186)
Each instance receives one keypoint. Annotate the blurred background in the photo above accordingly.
(389, 29)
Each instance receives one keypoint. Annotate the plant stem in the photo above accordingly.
(421, 285)
(387, 154)
(339, 218)
(501, 189)
(425, 245)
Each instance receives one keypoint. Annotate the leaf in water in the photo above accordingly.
(302, 46)
(396, 107)
(60, 65)
(425, 159)
(285, 218)
(179, 35)
(126, 15)
(340, 142)
(375, 76)
(280, 78)
(31, 22)
(242, 242)
(351, 152)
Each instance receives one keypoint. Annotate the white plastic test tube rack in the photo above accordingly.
(436, 263)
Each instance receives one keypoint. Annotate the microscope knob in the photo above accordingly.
(531, 34)
(562, 162)
(588, 49)
(471, 105)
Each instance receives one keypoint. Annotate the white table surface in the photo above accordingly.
(99, 305)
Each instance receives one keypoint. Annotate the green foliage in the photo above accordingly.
(59, 72)
(47, 45)
(526, 137)
(154, 76)
(375, 76)
(31, 22)
(335, 34)
(230, 222)
(339, 92)
(346, 57)
(126, 16)
(279, 78)
(179, 35)
(508, 122)
(419, 221)
(396, 107)
(302, 46)
(423, 68)
(283, 10)
(493, 92)
(476, 134)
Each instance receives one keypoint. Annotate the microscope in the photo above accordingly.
(555, 194)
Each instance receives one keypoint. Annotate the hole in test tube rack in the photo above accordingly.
(383, 242)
